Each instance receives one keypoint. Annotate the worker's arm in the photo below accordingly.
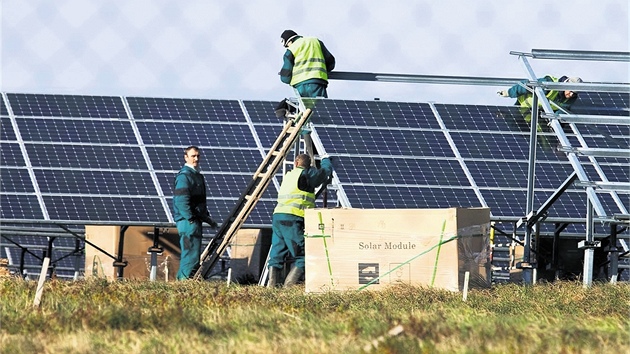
(287, 67)
(328, 57)
(317, 176)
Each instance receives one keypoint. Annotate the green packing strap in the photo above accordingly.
(437, 256)
(321, 223)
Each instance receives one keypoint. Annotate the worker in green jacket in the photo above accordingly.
(562, 99)
(297, 193)
(189, 211)
(306, 64)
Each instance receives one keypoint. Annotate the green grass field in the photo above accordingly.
(99, 316)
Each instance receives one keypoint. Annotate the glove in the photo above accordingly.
(208, 220)
(503, 93)
(325, 156)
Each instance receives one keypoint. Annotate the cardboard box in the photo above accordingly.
(137, 240)
(355, 249)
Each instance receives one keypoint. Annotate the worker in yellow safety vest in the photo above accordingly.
(563, 99)
(306, 64)
(297, 193)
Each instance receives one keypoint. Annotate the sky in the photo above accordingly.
(231, 49)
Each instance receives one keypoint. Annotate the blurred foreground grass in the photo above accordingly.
(99, 316)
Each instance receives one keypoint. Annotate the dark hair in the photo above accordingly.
(303, 160)
(191, 147)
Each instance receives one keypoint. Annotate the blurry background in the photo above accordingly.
(231, 49)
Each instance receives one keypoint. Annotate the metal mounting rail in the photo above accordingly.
(253, 192)
(427, 79)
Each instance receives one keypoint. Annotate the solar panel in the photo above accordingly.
(94, 149)
(374, 114)
(400, 171)
(200, 134)
(20, 206)
(93, 156)
(89, 131)
(95, 182)
(68, 207)
(11, 155)
(66, 106)
(602, 103)
(15, 180)
(395, 197)
(179, 109)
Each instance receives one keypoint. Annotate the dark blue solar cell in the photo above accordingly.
(76, 131)
(384, 142)
(24, 207)
(501, 146)
(262, 111)
(492, 118)
(95, 182)
(212, 159)
(6, 129)
(375, 114)
(11, 155)
(15, 180)
(67, 106)
(105, 208)
(180, 109)
(402, 171)
(213, 134)
(94, 156)
(400, 197)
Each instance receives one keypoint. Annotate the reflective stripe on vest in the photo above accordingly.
(292, 200)
(528, 100)
(309, 60)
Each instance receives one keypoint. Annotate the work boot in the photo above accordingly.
(294, 276)
(274, 274)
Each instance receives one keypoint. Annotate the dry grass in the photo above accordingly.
(98, 316)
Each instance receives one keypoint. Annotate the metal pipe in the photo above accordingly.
(579, 55)
(427, 79)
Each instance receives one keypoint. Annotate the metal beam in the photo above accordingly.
(580, 55)
(588, 118)
(426, 79)
(620, 87)
(597, 152)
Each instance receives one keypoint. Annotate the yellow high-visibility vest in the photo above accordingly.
(309, 60)
(292, 200)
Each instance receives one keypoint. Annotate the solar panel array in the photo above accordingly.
(92, 158)
(88, 159)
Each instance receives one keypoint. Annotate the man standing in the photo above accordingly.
(297, 193)
(307, 62)
(189, 211)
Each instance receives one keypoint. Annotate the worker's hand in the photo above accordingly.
(503, 93)
(326, 156)
(213, 224)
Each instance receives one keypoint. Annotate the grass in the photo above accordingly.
(99, 316)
